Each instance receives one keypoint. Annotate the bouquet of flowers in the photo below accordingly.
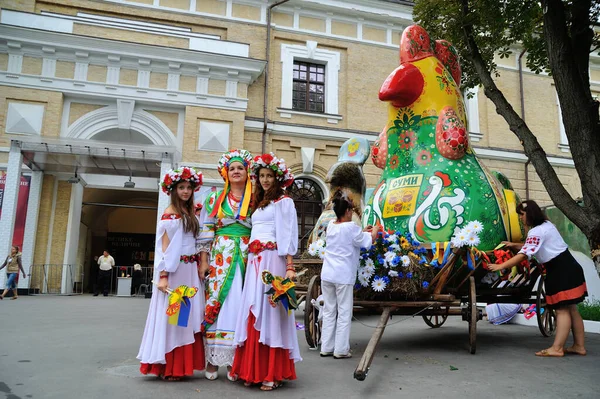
(394, 267)
(317, 248)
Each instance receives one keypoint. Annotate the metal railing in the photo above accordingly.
(55, 279)
(147, 274)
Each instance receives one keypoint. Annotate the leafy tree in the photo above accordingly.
(558, 37)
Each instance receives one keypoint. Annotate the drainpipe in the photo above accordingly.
(267, 65)
(522, 96)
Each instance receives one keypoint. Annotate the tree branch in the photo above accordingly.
(560, 196)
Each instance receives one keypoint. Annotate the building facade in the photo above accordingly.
(98, 98)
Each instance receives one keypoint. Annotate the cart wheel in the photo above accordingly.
(312, 327)
(546, 317)
(472, 316)
(435, 321)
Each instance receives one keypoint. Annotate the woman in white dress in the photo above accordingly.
(167, 350)
(265, 334)
(223, 248)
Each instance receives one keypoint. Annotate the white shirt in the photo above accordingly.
(343, 242)
(106, 262)
(544, 242)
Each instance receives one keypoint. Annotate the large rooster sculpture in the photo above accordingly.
(432, 182)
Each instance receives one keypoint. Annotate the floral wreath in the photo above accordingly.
(226, 158)
(277, 165)
(174, 176)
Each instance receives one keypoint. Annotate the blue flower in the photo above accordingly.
(386, 279)
(409, 275)
(396, 261)
(425, 284)
(357, 286)
(400, 274)
(380, 260)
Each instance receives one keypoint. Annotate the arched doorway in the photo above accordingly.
(308, 197)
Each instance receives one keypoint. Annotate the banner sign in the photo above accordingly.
(22, 202)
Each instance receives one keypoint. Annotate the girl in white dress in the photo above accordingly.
(265, 334)
(223, 247)
(167, 350)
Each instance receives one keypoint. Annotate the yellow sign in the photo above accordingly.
(401, 198)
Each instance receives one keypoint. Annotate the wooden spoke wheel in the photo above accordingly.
(472, 316)
(546, 317)
(312, 326)
(435, 321)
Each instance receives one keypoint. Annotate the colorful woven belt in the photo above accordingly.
(257, 246)
(189, 258)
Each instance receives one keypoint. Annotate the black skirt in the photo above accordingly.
(565, 282)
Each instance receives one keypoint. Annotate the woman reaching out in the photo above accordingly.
(565, 283)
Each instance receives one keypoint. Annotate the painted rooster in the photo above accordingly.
(432, 182)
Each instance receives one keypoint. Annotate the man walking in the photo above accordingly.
(105, 263)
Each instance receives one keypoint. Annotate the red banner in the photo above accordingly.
(21, 207)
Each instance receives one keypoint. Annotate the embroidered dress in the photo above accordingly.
(265, 336)
(565, 281)
(168, 349)
(227, 241)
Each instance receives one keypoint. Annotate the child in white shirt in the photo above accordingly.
(344, 239)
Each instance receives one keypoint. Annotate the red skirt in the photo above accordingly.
(181, 361)
(257, 363)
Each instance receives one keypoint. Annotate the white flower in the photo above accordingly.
(369, 270)
(475, 226)
(405, 260)
(312, 249)
(459, 240)
(467, 231)
(393, 273)
(473, 240)
(389, 257)
(365, 273)
(364, 281)
(369, 263)
(392, 239)
(378, 285)
(394, 247)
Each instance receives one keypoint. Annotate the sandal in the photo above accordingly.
(232, 377)
(13, 298)
(211, 376)
(270, 386)
(545, 353)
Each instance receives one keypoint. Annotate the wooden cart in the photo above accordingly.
(454, 291)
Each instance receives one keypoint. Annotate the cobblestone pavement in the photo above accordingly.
(85, 347)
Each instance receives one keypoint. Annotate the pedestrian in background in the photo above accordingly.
(105, 265)
(12, 264)
(136, 278)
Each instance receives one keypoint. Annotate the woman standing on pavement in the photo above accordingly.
(13, 265)
(265, 335)
(565, 283)
(169, 350)
(223, 251)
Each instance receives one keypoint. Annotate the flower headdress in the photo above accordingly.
(277, 165)
(245, 158)
(174, 176)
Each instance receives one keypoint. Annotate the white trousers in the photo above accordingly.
(337, 316)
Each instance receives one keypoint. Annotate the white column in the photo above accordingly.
(9, 202)
(163, 199)
(33, 211)
(72, 240)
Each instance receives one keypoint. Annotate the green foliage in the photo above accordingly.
(590, 310)
(498, 26)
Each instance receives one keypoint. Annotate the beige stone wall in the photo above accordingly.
(19, 5)
(216, 87)
(187, 83)
(212, 7)
(245, 11)
(180, 4)
(65, 69)
(3, 61)
(148, 2)
(170, 119)
(77, 110)
(43, 228)
(314, 24)
(128, 77)
(61, 219)
(344, 29)
(53, 102)
(97, 73)
(32, 66)
(282, 19)
(158, 80)
(193, 116)
(374, 34)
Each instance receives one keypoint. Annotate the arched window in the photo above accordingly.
(308, 197)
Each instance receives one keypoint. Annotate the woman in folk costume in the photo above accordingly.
(265, 334)
(172, 345)
(223, 247)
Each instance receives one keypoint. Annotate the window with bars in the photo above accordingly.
(308, 92)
